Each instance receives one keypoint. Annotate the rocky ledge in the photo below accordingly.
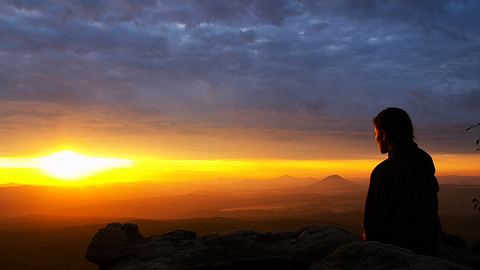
(122, 247)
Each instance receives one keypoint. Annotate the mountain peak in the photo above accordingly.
(334, 182)
(10, 184)
(285, 176)
(335, 178)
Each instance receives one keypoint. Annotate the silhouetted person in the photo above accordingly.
(402, 205)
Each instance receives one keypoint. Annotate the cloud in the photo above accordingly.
(279, 64)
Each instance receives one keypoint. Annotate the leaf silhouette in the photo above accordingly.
(474, 126)
(478, 141)
(474, 200)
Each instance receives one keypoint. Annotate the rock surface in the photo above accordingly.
(375, 255)
(122, 247)
(114, 243)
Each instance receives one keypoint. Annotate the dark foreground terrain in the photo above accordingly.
(42, 242)
(41, 228)
(122, 247)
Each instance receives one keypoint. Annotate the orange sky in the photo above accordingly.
(189, 151)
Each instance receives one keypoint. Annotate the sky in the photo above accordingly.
(237, 80)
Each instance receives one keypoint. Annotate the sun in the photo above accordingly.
(69, 165)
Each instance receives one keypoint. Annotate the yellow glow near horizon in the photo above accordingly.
(63, 167)
(66, 164)
(69, 165)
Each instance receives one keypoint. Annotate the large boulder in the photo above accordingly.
(115, 243)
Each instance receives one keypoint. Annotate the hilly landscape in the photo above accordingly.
(284, 195)
(55, 224)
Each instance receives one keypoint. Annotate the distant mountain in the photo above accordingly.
(11, 184)
(333, 183)
(459, 180)
(289, 181)
(280, 182)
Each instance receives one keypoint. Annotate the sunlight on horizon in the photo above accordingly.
(67, 167)
(66, 164)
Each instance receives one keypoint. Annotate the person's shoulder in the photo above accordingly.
(424, 154)
(381, 168)
(380, 173)
(427, 159)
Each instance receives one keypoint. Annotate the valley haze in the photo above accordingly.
(63, 219)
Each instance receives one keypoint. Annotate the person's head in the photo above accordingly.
(392, 127)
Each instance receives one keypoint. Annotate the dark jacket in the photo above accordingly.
(402, 206)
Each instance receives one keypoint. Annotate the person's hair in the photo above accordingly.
(396, 123)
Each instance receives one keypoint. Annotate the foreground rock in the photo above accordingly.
(375, 255)
(115, 243)
(122, 247)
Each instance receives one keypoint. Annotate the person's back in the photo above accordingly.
(401, 206)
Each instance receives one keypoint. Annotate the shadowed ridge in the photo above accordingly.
(286, 181)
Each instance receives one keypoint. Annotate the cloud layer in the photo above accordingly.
(314, 67)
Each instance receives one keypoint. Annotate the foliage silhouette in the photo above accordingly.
(477, 142)
(475, 201)
(476, 204)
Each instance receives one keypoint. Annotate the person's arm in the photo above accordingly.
(376, 217)
(369, 222)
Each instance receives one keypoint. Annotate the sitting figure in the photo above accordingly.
(402, 206)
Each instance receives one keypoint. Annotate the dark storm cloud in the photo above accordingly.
(327, 65)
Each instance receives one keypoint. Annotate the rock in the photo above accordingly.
(114, 243)
(461, 256)
(455, 249)
(452, 240)
(475, 247)
(122, 247)
(374, 255)
(177, 235)
(277, 263)
(316, 242)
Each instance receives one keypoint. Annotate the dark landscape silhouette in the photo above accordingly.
(54, 227)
